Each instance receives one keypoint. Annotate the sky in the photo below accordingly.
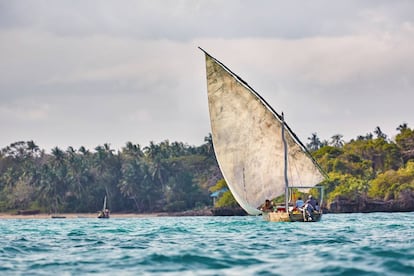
(84, 73)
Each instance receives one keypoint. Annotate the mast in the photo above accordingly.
(285, 164)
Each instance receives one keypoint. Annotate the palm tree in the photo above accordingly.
(33, 148)
(83, 150)
(403, 127)
(156, 156)
(336, 141)
(133, 150)
(133, 183)
(47, 189)
(314, 143)
(58, 178)
(78, 174)
(58, 155)
(379, 133)
(107, 173)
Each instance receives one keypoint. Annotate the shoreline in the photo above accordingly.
(139, 215)
(30, 215)
(77, 215)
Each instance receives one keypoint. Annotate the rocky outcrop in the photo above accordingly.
(404, 203)
(228, 211)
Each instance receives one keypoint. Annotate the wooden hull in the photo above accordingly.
(58, 217)
(289, 217)
(276, 216)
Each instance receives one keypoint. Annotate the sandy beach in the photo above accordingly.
(33, 215)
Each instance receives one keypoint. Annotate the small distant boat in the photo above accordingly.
(258, 154)
(105, 211)
(57, 217)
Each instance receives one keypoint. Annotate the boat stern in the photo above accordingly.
(276, 216)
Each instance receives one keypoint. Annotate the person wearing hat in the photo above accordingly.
(311, 201)
(310, 206)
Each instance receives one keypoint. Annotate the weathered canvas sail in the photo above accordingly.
(248, 142)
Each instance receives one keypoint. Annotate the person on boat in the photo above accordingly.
(311, 201)
(103, 213)
(299, 203)
(317, 207)
(268, 206)
(106, 213)
(310, 206)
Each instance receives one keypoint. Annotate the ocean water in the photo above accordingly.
(340, 244)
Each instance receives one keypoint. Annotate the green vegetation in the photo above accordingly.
(226, 199)
(161, 177)
(368, 167)
(177, 177)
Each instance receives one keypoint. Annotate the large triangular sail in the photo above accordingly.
(248, 144)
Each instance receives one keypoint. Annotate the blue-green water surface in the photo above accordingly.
(340, 244)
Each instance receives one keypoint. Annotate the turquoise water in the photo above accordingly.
(341, 244)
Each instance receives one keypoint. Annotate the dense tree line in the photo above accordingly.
(159, 177)
(371, 166)
(176, 177)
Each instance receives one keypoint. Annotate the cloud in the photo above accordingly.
(188, 19)
(90, 72)
(25, 112)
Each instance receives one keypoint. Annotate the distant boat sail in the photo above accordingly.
(248, 137)
(105, 211)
